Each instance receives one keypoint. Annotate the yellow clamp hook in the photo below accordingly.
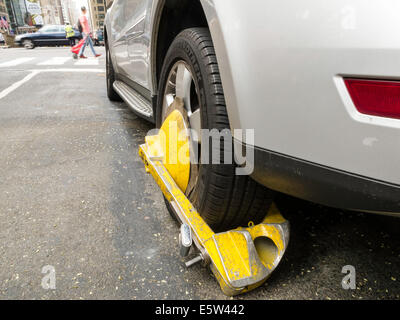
(241, 259)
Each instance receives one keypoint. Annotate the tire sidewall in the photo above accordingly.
(32, 44)
(183, 48)
(110, 77)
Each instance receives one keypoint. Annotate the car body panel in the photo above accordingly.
(116, 25)
(282, 66)
(130, 40)
(49, 35)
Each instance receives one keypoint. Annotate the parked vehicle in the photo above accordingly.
(48, 35)
(98, 38)
(318, 83)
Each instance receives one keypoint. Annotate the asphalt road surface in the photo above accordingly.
(74, 196)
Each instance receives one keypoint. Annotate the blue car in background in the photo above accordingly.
(98, 38)
(48, 35)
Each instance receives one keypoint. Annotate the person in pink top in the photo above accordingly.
(86, 35)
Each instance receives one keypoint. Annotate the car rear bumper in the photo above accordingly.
(324, 185)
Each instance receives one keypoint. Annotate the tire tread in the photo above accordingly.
(229, 200)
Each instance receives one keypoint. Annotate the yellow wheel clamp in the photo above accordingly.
(241, 259)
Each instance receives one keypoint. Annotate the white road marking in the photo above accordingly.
(15, 62)
(87, 62)
(33, 73)
(17, 84)
(70, 70)
(55, 61)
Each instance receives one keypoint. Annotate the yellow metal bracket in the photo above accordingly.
(241, 259)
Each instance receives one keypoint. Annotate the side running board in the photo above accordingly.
(134, 100)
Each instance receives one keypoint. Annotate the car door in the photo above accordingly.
(52, 36)
(138, 14)
(118, 41)
(60, 36)
(43, 36)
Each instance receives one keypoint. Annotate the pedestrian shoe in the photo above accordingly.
(82, 56)
(97, 55)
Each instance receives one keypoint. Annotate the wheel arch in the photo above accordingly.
(27, 38)
(34, 43)
(169, 18)
(105, 37)
(200, 13)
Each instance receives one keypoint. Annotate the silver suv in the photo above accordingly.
(317, 81)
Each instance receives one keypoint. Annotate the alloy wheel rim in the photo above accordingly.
(28, 44)
(181, 84)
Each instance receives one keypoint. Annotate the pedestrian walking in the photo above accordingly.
(70, 33)
(86, 32)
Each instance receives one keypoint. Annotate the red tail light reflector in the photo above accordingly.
(375, 97)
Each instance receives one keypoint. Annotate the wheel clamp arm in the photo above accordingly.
(241, 259)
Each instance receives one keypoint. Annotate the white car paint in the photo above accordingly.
(282, 64)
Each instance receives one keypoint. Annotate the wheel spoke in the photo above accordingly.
(169, 99)
(171, 84)
(195, 124)
(183, 84)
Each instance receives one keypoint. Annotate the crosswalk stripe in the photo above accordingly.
(55, 61)
(87, 62)
(15, 62)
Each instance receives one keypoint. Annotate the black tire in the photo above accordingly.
(28, 44)
(110, 78)
(223, 199)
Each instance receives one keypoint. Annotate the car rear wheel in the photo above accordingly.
(28, 44)
(190, 72)
(110, 78)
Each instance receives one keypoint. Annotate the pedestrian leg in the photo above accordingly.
(83, 47)
(91, 46)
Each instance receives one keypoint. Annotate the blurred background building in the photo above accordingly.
(29, 15)
(52, 12)
(98, 12)
(70, 11)
(20, 19)
(3, 10)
